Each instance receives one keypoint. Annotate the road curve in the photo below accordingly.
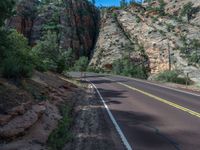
(151, 117)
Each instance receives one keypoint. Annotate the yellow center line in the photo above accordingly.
(163, 100)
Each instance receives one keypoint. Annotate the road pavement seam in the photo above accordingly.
(121, 134)
(196, 114)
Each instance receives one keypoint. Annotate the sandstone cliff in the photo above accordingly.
(163, 37)
(77, 22)
(156, 34)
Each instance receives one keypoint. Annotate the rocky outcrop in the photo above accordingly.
(23, 21)
(28, 118)
(162, 36)
(19, 124)
(113, 43)
(76, 22)
(174, 7)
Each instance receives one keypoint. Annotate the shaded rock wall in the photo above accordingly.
(78, 19)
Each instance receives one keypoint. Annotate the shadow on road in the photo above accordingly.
(139, 128)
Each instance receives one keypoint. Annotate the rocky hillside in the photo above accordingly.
(168, 32)
(160, 35)
(75, 21)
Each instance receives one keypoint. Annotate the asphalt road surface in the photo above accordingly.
(151, 117)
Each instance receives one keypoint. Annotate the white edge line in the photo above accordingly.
(122, 136)
(177, 90)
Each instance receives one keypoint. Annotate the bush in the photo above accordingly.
(61, 134)
(194, 58)
(172, 76)
(17, 61)
(13, 67)
(51, 55)
(187, 10)
(127, 68)
(81, 64)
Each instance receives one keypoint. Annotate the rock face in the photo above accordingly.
(77, 22)
(174, 7)
(167, 39)
(162, 36)
(113, 42)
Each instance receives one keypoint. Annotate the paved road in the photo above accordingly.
(151, 117)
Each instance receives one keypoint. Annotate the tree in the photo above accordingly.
(93, 2)
(48, 48)
(187, 10)
(17, 60)
(6, 9)
(81, 64)
(162, 7)
(123, 3)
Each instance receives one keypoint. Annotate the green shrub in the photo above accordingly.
(194, 58)
(53, 57)
(17, 61)
(13, 67)
(172, 76)
(138, 20)
(61, 134)
(187, 10)
(125, 67)
(6, 8)
(81, 64)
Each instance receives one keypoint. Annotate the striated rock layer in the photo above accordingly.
(78, 22)
(162, 36)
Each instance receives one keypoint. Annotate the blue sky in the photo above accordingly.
(109, 2)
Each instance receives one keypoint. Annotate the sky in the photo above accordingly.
(110, 2)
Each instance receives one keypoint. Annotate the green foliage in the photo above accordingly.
(123, 3)
(154, 19)
(28, 10)
(194, 58)
(114, 15)
(138, 19)
(17, 60)
(187, 10)
(160, 9)
(170, 27)
(61, 134)
(6, 8)
(127, 68)
(81, 64)
(191, 49)
(147, 1)
(172, 76)
(162, 32)
(48, 50)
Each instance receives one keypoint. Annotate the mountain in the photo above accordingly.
(159, 35)
(167, 30)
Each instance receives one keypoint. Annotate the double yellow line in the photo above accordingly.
(196, 114)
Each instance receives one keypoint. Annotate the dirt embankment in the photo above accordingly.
(29, 110)
(93, 129)
(31, 119)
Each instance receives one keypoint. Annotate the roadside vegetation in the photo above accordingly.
(125, 67)
(191, 50)
(173, 77)
(19, 60)
(61, 135)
